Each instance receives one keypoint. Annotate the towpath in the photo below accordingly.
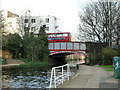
(91, 77)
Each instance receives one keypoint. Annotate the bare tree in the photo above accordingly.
(98, 22)
(29, 24)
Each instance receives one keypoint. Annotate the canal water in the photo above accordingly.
(26, 78)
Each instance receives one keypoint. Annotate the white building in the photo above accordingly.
(51, 23)
(10, 22)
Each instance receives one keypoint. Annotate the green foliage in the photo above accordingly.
(12, 42)
(107, 66)
(37, 64)
(94, 59)
(108, 54)
(24, 60)
(36, 48)
(4, 61)
(4, 42)
(28, 46)
(109, 70)
(67, 60)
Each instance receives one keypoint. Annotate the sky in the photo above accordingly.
(65, 10)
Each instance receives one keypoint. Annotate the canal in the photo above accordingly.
(26, 78)
(29, 77)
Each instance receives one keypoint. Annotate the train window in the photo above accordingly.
(69, 45)
(59, 35)
(57, 46)
(47, 20)
(82, 46)
(50, 46)
(63, 45)
(65, 34)
(76, 46)
(53, 35)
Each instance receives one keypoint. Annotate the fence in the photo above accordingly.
(61, 77)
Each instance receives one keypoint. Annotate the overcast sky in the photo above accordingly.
(65, 10)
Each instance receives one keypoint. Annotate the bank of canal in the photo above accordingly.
(26, 78)
(30, 75)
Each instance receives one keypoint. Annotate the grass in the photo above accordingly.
(108, 67)
(4, 62)
(34, 64)
(109, 70)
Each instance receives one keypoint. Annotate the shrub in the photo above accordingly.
(4, 61)
(108, 54)
(36, 64)
(95, 58)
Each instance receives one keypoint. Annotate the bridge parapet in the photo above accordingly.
(67, 47)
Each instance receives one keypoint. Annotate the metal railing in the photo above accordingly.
(61, 77)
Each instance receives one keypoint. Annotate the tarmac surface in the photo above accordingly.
(11, 62)
(91, 77)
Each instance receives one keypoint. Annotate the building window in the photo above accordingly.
(47, 20)
(33, 20)
(26, 20)
(47, 28)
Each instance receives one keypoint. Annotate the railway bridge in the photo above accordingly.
(59, 50)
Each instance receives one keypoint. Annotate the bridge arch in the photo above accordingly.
(58, 58)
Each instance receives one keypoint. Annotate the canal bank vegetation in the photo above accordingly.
(27, 46)
(108, 67)
(37, 64)
(4, 61)
(73, 58)
(105, 57)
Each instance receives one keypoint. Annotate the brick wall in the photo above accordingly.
(5, 54)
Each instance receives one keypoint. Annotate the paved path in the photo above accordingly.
(91, 77)
(11, 62)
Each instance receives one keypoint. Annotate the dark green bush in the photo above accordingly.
(108, 54)
(4, 61)
(34, 65)
(95, 58)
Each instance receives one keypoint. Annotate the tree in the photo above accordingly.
(98, 22)
(34, 48)
(41, 51)
(12, 42)
(27, 29)
(44, 43)
(27, 45)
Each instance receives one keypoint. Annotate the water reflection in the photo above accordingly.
(26, 78)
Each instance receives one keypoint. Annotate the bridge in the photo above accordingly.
(59, 50)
